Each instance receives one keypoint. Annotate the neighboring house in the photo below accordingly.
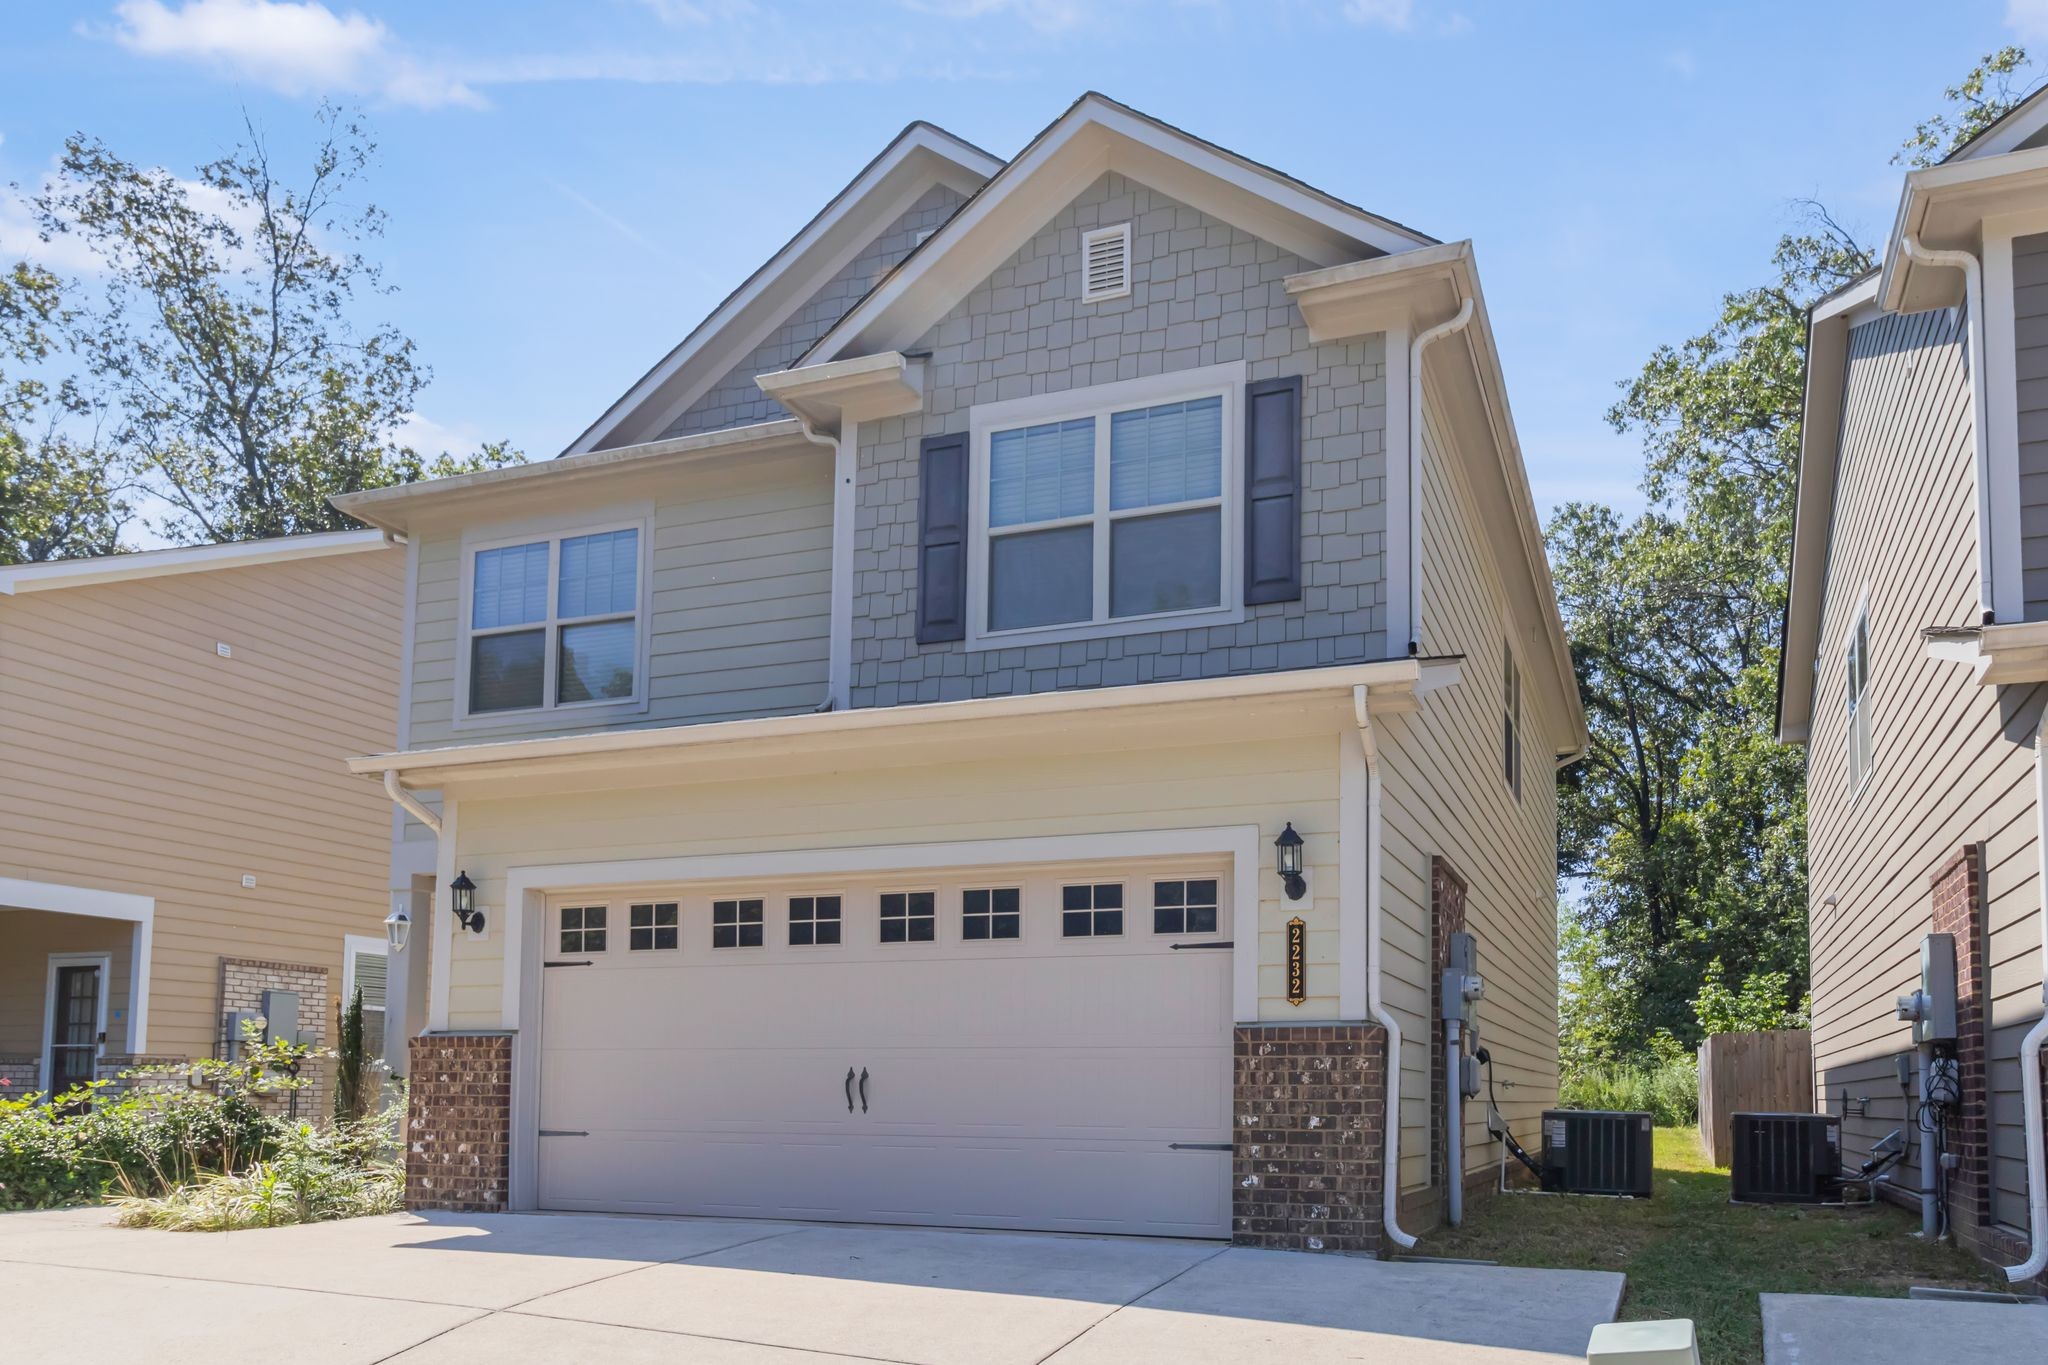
(179, 835)
(858, 737)
(1915, 656)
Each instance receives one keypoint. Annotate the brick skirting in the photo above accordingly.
(1306, 1160)
(458, 1126)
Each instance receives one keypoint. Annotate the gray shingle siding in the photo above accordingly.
(2030, 335)
(735, 400)
(1203, 293)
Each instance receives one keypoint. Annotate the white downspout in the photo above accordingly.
(1973, 302)
(410, 802)
(1456, 322)
(2030, 1046)
(839, 665)
(1390, 1180)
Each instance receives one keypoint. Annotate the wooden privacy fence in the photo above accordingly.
(1752, 1073)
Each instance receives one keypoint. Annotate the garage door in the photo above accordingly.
(1046, 1051)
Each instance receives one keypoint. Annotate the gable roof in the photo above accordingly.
(115, 568)
(1097, 134)
(921, 156)
(2023, 125)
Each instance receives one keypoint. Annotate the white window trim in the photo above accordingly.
(551, 624)
(785, 897)
(138, 912)
(351, 946)
(984, 420)
(46, 1060)
(938, 895)
(1855, 779)
(1117, 232)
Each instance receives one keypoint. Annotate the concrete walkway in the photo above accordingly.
(1831, 1329)
(522, 1287)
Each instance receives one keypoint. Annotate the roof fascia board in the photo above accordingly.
(1941, 206)
(932, 156)
(2015, 126)
(1095, 136)
(393, 508)
(78, 573)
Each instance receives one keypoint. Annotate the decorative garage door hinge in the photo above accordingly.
(565, 964)
(1190, 947)
(1198, 1146)
(564, 1132)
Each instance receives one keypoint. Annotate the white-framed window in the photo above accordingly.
(1511, 725)
(1108, 510)
(737, 923)
(909, 916)
(583, 929)
(1184, 906)
(814, 921)
(554, 621)
(991, 912)
(365, 960)
(1856, 694)
(1106, 263)
(1092, 911)
(651, 926)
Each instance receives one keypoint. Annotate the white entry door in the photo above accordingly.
(912, 1063)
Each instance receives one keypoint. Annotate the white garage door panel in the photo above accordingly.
(1015, 1085)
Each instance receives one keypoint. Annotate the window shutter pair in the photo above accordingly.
(1272, 512)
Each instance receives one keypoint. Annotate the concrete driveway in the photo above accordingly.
(550, 1287)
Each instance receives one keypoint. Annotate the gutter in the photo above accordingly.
(1390, 1178)
(1973, 302)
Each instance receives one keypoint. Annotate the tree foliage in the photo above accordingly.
(219, 347)
(58, 496)
(1683, 832)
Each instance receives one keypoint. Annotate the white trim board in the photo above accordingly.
(58, 899)
(525, 909)
(78, 573)
(105, 962)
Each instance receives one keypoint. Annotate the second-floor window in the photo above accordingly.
(1106, 510)
(1511, 724)
(554, 622)
(1857, 691)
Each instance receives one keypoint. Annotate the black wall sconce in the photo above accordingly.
(1287, 859)
(462, 891)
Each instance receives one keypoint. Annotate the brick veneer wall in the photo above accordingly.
(1959, 910)
(1306, 1160)
(20, 1071)
(242, 983)
(458, 1126)
(1446, 917)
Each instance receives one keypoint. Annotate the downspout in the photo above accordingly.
(1973, 302)
(2030, 1046)
(410, 802)
(810, 433)
(1390, 1180)
(1416, 347)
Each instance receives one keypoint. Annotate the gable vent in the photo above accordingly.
(1106, 263)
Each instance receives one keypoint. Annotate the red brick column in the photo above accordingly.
(1446, 917)
(1959, 910)
(458, 1125)
(1305, 1169)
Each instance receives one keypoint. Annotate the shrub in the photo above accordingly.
(312, 1175)
(1668, 1088)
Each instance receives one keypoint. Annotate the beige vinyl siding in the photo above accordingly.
(740, 597)
(1446, 795)
(1951, 762)
(2030, 369)
(1014, 794)
(138, 760)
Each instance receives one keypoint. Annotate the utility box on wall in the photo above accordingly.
(281, 1015)
(1932, 1009)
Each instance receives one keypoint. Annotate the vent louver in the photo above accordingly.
(1106, 263)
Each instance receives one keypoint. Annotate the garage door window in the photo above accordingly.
(1184, 907)
(813, 921)
(910, 917)
(583, 928)
(652, 926)
(736, 924)
(1095, 911)
(993, 913)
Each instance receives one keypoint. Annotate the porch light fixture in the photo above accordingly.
(397, 929)
(463, 892)
(1287, 859)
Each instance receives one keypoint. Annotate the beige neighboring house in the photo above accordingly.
(874, 745)
(180, 841)
(1915, 670)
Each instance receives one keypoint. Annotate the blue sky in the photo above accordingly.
(571, 186)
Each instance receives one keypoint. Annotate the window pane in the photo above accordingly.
(1171, 453)
(597, 661)
(1041, 578)
(1171, 562)
(600, 574)
(510, 587)
(1039, 473)
(505, 670)
(593, 940)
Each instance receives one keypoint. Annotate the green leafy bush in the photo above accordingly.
(347, 1171)
(1668, 1087)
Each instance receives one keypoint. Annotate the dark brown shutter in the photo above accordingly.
(1272, 490)
(942, 539)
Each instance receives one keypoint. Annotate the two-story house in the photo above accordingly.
(997, 727)
(181, 844)
(1915, 656)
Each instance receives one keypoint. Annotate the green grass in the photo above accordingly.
(1689, 1253)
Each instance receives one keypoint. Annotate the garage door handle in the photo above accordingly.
(849, 1090)
(863, 1090)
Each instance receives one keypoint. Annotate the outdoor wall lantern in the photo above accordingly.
(397, 929)
(463, 891)
(1287, 859)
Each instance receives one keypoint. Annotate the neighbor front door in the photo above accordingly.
(74, 1027)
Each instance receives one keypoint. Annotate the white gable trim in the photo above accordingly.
(2022, 121)
(1095, 136)
(922, 157)
(116, 568)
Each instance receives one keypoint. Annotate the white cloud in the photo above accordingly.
(2028, 19)
(431, 438)
(293, 48)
